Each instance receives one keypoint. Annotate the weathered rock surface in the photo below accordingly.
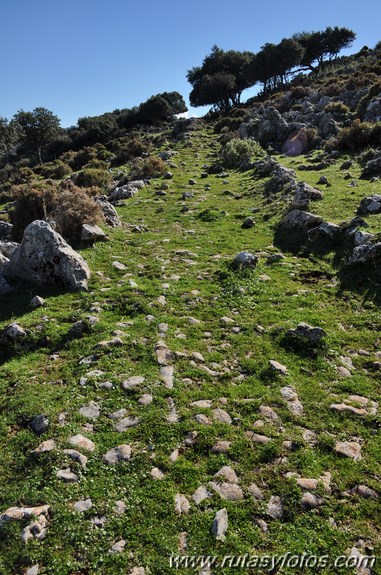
(44, 258)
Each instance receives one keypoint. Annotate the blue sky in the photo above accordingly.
(86, 57)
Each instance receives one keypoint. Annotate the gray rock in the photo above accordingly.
(76, 456)
(36, 530)
(44, 447)
(92, 233)
(248, 223)
(275, 508)
(117, 454)
(310, 501)
(82, 442)
(298, 220)
(307, 333)
(182, 504)
(109, 212)
(326, 231)
(44, 258)
(368, 253)
(39, 424)
(83, 505)
(6, 231)
(126, 423)
(364, 491)
(91, 411)
(220, 525)
(277, 367)
(245, 259)
(118, 547)
(228, 491)
(37, 301)
(67, 475)
(350, 449)
(7, 248)
(370, 205)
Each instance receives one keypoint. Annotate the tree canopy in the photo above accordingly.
(220, 80)
(37, 129)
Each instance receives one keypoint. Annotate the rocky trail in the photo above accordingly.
(212, 393)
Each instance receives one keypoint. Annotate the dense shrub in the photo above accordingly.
(237, 153)
(359, 136)
(148, 168)
(55, 170)
(93, 177)
(338, 110)
(68, 206)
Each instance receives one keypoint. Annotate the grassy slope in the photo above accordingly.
(33, 383)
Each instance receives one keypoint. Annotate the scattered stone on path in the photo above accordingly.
(21, 513)
(310, 501)
(228, 491)
(156, 473)
(307, 333)
(344, 408)
(202, 403)
(83, 505)
(343, 371)
(76, 456)
(127, 422)
(221, 447)
(116, 415)
(117, 454)
(91, 411)
(262, 525)
(35, 530)
(39, 424)
(118, 266)
(350, 449)
(202, 419)
(255, 491)
(132, 382)
(200, 494)
(67, 475)
(44, 447)
(275, 508)
(118, 547)
(278, 367)
(163, 355)
(37, 302)
(32, 570)
(120, 507)
(228, 474)
(268, 413)
(364, 491)
(182, 504)
(82, 442)
(222, 416)
(172, 416)
(257, 438)
(166, 372)
(220, 525)
(145, 399)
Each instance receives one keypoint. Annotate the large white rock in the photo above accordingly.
(44, 258)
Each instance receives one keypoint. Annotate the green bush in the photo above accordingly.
(359, 136)
(93, 177)
(55, 170)
(148, 168)
(337, 109)
(237, 153)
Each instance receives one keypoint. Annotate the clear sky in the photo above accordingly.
(86, 57)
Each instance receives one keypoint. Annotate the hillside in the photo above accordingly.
(181, 355)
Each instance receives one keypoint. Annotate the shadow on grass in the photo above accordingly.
(365, 279)
(17, 304)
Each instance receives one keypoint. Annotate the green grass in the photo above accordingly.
(299, 289)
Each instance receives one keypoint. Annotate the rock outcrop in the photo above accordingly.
(44, 258)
